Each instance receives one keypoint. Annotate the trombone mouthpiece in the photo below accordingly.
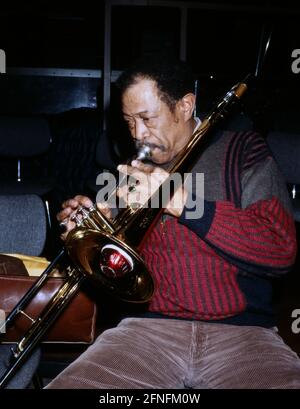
(144, 152)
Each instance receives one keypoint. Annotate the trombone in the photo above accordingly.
(106, 251)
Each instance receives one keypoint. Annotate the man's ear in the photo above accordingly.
(186, 106)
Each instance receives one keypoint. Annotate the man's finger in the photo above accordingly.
(70, 203)
(143, 167)
(105, 209)
(126, 169)
(63, 214)
(83, 201)
(68, 226)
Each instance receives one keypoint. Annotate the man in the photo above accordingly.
(210, 322)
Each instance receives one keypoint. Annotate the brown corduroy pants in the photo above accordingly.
(170, 354)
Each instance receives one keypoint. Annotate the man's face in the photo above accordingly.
(151, 121)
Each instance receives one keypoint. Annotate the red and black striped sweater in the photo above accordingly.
(221, 267)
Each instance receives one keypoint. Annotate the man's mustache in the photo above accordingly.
(152, 146)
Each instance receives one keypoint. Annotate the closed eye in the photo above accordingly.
(130, 123)
(150, 120)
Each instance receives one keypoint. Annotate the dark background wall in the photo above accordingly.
(224, 42)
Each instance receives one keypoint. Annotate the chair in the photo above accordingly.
(285, 147)
(23, 227)
(236, 122)
(286, 151)
(23, 224)
(106, 159)
(23, 143)
(23, 138)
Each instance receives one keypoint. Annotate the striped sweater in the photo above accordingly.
(221, 266)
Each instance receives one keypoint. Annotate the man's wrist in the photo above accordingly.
(177, 204)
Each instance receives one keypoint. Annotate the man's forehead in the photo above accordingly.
(144, 112)
(142, 88)
(141, 99)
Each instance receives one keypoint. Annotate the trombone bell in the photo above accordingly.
(107, 260)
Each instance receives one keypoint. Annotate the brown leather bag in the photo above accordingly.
(76, 324)
(9, 264)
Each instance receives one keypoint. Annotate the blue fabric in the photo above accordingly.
(286, 150)
(22, 377)
(23, 224)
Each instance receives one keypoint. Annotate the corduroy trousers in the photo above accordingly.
(175, 354)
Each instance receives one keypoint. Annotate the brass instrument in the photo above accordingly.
(106, 251)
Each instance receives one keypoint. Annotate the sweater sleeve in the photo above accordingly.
(259, 236)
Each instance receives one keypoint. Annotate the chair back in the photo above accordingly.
(23, 224)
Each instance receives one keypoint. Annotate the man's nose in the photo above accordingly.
(141, 131)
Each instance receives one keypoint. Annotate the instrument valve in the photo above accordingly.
(85, 213)
(78, 220)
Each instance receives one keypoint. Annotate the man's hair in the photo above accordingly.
(173, 78)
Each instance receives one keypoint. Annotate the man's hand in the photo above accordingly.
(144, 181)
(70, 208)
